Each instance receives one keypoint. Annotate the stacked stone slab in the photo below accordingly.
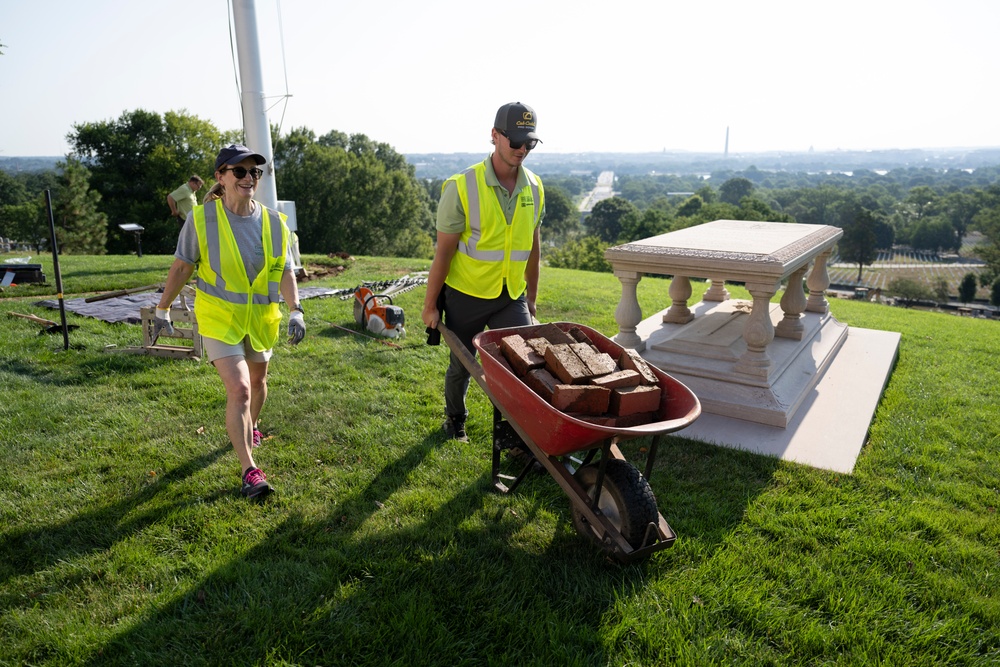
(568, 371)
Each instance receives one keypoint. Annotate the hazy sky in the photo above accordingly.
(428, 75)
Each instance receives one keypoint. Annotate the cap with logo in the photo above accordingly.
(236, 153)
(518, 121)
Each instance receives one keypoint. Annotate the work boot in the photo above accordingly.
(255, 484)
(455, 429)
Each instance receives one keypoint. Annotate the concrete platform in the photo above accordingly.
(830, 426)
(703, 353)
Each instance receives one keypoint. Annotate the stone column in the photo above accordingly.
(628, 314)
(680, 292)
(717, 291)
(818, 281)
(758, 331)
(793, 302)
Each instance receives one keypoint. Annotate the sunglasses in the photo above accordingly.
(516, 145)
(241, 172)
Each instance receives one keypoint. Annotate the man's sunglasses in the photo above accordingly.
(516, 145)
(241, 172)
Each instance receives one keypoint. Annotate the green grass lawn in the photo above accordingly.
(124, 540)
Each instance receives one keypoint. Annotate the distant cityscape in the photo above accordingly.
(442, 165)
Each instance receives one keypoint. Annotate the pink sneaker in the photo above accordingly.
(255, 484)
(258, 437)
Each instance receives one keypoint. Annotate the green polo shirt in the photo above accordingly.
(184, 198)
(451, 215)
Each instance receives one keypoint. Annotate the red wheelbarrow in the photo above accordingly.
(612, 502)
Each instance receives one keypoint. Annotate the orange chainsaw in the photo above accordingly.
(376, 313)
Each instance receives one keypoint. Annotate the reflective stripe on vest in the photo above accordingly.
(476, 220)
(229, 305)
(492, 253)
(219, 289)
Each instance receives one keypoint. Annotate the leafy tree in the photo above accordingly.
(995, 293)
(691, 206)
(25, 222)
(561, 218)
(967, 288)
(735, 189)
(80, 228)
(605, 220)
(959, 208)
(136, 160)
(362, 198)
(650, 222)
(707, 194)
(987, 220)
(932, 233)
(857, 245)
(12, 191)
(813, 205)
(941, 289)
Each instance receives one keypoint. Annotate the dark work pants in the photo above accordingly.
(467, 316)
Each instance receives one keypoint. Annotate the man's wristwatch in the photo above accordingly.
(298, 307)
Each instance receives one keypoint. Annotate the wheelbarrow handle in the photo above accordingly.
(467, 358)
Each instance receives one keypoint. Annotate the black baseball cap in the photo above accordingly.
(234, 153)
(518, 121)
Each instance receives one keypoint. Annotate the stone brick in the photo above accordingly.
(598, 363)
(541, 382)
(562, 362)
(554, 334)
(630, 360)
(493, 350)
(584, 398)
(618, 379)
(579, 336)
(538, 345)
(637, 419)
(520, 355)
(599, 420)
(630, 400)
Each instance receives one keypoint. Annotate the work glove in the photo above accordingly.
(296, 327)
(162, 324)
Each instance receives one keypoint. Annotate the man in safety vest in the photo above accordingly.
(241, 251)
(485, 268)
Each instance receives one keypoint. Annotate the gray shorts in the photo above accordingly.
(216, 349)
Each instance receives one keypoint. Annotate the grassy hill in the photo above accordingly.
(124, 539)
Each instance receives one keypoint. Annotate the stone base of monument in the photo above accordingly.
(814, 402)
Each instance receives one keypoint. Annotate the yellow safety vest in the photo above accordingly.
(490, 251)
(228, 306)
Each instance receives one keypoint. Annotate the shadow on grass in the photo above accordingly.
(28, 551)
(89, 372)
(445, 587)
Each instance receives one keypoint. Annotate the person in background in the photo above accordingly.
(241, 250)
(485, 268)
(182, 200)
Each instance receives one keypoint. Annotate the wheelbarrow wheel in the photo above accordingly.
(626, 500)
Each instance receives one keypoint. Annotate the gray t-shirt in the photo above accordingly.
(249, 233)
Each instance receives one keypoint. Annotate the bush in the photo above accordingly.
(586, 254)
(909, 291)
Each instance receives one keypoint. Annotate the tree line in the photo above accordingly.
(360, 196)
(926, 210)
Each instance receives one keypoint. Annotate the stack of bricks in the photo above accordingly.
(570, 373)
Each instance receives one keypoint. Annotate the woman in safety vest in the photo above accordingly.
(240, 249)
(485, 268)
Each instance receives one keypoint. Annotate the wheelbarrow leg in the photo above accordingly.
(651, 455)
(505, 437)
